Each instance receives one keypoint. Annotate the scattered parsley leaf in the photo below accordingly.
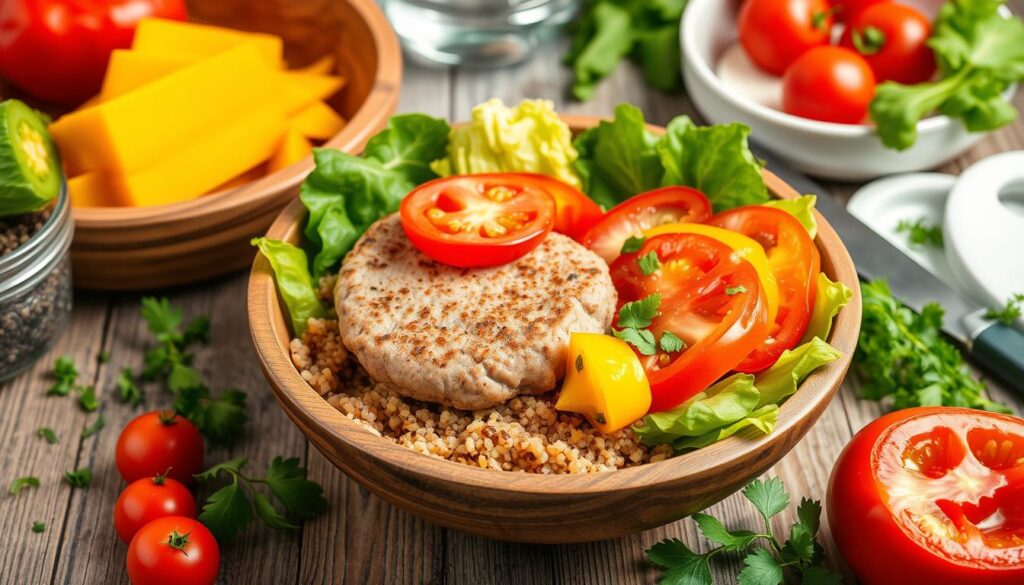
(641, 339)
(87, 398)
(670, 342)
(38, 527)
(649, 263)
(714, 531)
(682, 565)
(79, 478)
(921, 234)
(222, 419)
(1009, 314)
(23, 482)
(735, 290)
(761, 569)
(65, 374)
(269, 514)
(127, 389)
(633, 244)
(103, 356)
(820, 576)
(47, 434)
(639, 314)
(287, 479)
(183, 377)
(227, 511)
(197, 331)
(95, 427)
(163, 318)
(809, 513)
(769, 497)
(231, 466)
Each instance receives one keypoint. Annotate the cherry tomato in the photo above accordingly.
(933, 495)
(575, 213)
(846, 10)
(710, 298)
(793, 261)
(892, 38)
(775, 32)
(58, 50)
(150, 498)
(173, 550)
(478, 220)
(155, 442)
(638, 214)
(830, 84)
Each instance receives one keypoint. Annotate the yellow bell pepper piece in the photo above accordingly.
(188, 40)
(745, 247)
(604, 382)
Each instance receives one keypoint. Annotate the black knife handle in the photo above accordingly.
(1000, 350)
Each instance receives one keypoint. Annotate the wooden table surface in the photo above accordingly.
(361, 539)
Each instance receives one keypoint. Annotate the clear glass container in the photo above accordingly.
(476, 33)
(36, 292)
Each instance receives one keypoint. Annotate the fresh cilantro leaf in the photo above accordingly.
(156, 361)
(222, 419)
(183, 377)
(103, 356)
(95, 427)
(820, 576)
(23, 482)
(87, 399)
(232, 467)
(761, 569)
(639, 314)
(633, 244)
(197, 331)
(65, 374)
(714, 531)
(79, 478)
(735, 290)
(671, 343)
(800, 545)
(287, 479)
(809, 513)
(921, 234)
(649, 263)
(269, 514)
(163, 318)
(641, 339)
(1009, 314)
(682, 565)
(38, 527)
(227, 511)
(128, 390)
(769, 497)
(47, 434)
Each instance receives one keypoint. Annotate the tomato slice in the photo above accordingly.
(474, 221)
(640, 213)
(932, 495)
(575, 213)
(710, 298)
(793, 260)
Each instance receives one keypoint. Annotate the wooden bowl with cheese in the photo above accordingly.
(150, 216)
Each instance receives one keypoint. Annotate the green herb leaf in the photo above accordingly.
(683, 566)
(47, 434)
(127, 389)
(714, 531)
(38, 527)
(80, 478)
(800, 545)
(639, 314)
(633, 244)
(227, 511)
(23, 482)
(197, 331)
(820, 576)
(221, 419)
(761, 569)
(921, 234)
(1009, 314)
(103, 356)
(769, 497)
(735, 290)
(95, 427)
(670, 343)
(87, 398)
(163, 318)
(269, 514)
(809, 513)
(641, 339)
(65, 374)
(231, 467)
(183, 377)
(649, 263)
(294, 282)
(287, 479)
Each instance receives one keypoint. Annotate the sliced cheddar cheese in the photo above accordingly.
(322, 66)
(317, 122)
(293, 148)
(191, 41)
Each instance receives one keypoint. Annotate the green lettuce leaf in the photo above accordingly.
(618, 159)
(294, 282)
(782, 379)
(802, 208)
(727, 401)
(763, 419)
(829, 298)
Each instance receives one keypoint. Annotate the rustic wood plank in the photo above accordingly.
(27, 557)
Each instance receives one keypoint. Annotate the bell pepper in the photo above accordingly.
(605, 382)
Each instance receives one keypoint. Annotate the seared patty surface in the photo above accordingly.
(468, 338)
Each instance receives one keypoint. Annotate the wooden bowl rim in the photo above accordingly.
(326, 424)
(371, 116)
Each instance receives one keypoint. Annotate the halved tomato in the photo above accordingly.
(575, 213)
(640, 213)
(932, 495)
(474, 221)
(711, 300)
(794, 262)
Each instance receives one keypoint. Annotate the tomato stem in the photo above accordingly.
(167, 417)
(178, 541)
(868, 40)
(159, 478)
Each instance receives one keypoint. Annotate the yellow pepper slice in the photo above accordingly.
(605, 382)
(745, 247)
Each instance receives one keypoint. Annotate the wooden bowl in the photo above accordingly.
(545, 508)
(151, 247)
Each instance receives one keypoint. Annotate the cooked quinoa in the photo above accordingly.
(524, 434)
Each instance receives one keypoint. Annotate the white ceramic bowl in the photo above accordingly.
(834, 151)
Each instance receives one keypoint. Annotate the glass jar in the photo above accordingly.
(36, 292)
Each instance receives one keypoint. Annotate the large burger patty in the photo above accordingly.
(468, 338)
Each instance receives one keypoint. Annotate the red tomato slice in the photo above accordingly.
(575, 213)
(710, 298)
(638, 214)
(932, 495)
(793, 260)
(473, 221)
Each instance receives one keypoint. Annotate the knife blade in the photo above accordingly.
(996, 347)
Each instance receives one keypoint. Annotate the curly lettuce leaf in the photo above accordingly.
(294, 282)
(763, 419)
(802, 208)
(782, 379)
(618, 159)
(828, 300)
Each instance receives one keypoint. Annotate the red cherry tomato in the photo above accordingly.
(929, 496)
(710, 298)
(846, 10)
(145, 500)
(892, 39)
(775, 32)
(479, 220)
(830, 84)
(638, 214)
(575, 213)
(173, 550)
(58, 50)
(156, 442)
(795, 263)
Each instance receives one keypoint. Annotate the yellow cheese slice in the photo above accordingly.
(293, 148)
(322, 66)
(96, 190)
(317, 122)
(191, 41)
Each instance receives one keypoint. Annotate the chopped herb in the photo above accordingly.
(1009, 314)
(23, 482)
(579, 363)
(921, 234)
(47, 434)
(639, 314)
(671, 343)
(735, 290)
(38, 527)
(633, 244)
(65, 374)
(87, 398)
(649, 263)
(128, 390)
(641, 339)
(79, 478)
(103, 356)
(95, 427)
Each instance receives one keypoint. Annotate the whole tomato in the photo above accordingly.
(830, 84)
(892, 38)
(775, 32)
(57, 50)
(932, 496)
(173, 550)
(145, 500)
(159, 442)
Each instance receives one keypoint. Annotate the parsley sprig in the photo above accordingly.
(920, 233)
(229, 510)
(1009, 314)
(634, 320)
(801, 554)
(65, 376)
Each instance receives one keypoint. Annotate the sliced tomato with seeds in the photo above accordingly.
(932, 495)
(793, 260)
(474, 221)
(575, 213)
(711, 299)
